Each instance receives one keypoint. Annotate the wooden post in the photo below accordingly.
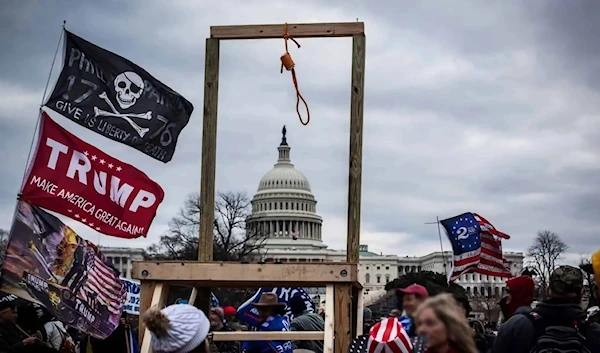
(159, 296)
(209, 162)
(209, 151)
(356, 134)
(343, 318)
(146, 291)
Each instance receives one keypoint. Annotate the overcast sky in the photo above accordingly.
(470, 106)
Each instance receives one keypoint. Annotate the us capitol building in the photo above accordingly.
(285, 208)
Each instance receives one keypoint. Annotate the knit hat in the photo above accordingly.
(522, 290)
(178, 328)
(388, 336)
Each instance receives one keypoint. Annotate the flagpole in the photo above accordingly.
(437, 222)
(44, 97)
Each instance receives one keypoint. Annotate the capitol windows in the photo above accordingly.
(387, 279)
(469, 291)
(378, 279)
(367, 277)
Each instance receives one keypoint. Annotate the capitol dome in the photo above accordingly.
(284, 206)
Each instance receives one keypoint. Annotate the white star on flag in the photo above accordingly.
(98, 228)
(77, 216)
(110, 165)
(102, 161)
(86, 153)
(94, 157)
(84, 220)
(119, 169)
(91, 224)
(70, 211)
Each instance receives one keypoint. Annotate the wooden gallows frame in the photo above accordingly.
(343, 311)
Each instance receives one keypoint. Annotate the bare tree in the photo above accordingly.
(488, 305)
(544, 253)
(232, 240)
(590, 292)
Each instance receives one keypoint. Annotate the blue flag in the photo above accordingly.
(248, 313)
(463, 232)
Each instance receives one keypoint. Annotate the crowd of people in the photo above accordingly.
(441, 323)
(421, 324)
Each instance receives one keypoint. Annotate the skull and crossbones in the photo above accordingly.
(129, 87)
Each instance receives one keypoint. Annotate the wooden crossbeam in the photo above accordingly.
(296, 30)
(223, 274)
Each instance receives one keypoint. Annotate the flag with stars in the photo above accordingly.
(78, 180)
(476, 246)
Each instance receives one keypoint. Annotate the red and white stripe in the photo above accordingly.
(488, 260)
(105, 282)
(388, 336)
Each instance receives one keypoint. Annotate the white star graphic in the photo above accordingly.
(102, 161)
(76, 216)
(91, 224)
(86, 153)
(84, 220)
(70, 211)
(110, 165)
(97, 228)
(119, 169)
(94, 157)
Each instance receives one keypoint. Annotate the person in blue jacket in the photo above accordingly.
(272, 316)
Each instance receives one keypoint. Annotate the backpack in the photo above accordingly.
(558, 336)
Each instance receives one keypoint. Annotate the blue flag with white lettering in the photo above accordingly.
(248, 313)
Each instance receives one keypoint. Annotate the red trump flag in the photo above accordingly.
(75, 179)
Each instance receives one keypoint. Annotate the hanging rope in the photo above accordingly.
(288, 63)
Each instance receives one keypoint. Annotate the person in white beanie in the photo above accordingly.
(179, 328)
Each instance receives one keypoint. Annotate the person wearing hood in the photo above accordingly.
(305, 320)
(218, 324)
(520, 293)
(520, 333)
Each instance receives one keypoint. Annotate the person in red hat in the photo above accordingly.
(229, 313)
(411, 297)
(520, 293)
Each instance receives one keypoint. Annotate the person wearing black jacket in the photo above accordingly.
(517, 335)
(13, 340)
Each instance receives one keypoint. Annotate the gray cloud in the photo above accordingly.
(478, 107)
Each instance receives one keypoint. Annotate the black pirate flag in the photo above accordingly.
(114, 97)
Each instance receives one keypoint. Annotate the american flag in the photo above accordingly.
(104, 282)
(475, 246)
